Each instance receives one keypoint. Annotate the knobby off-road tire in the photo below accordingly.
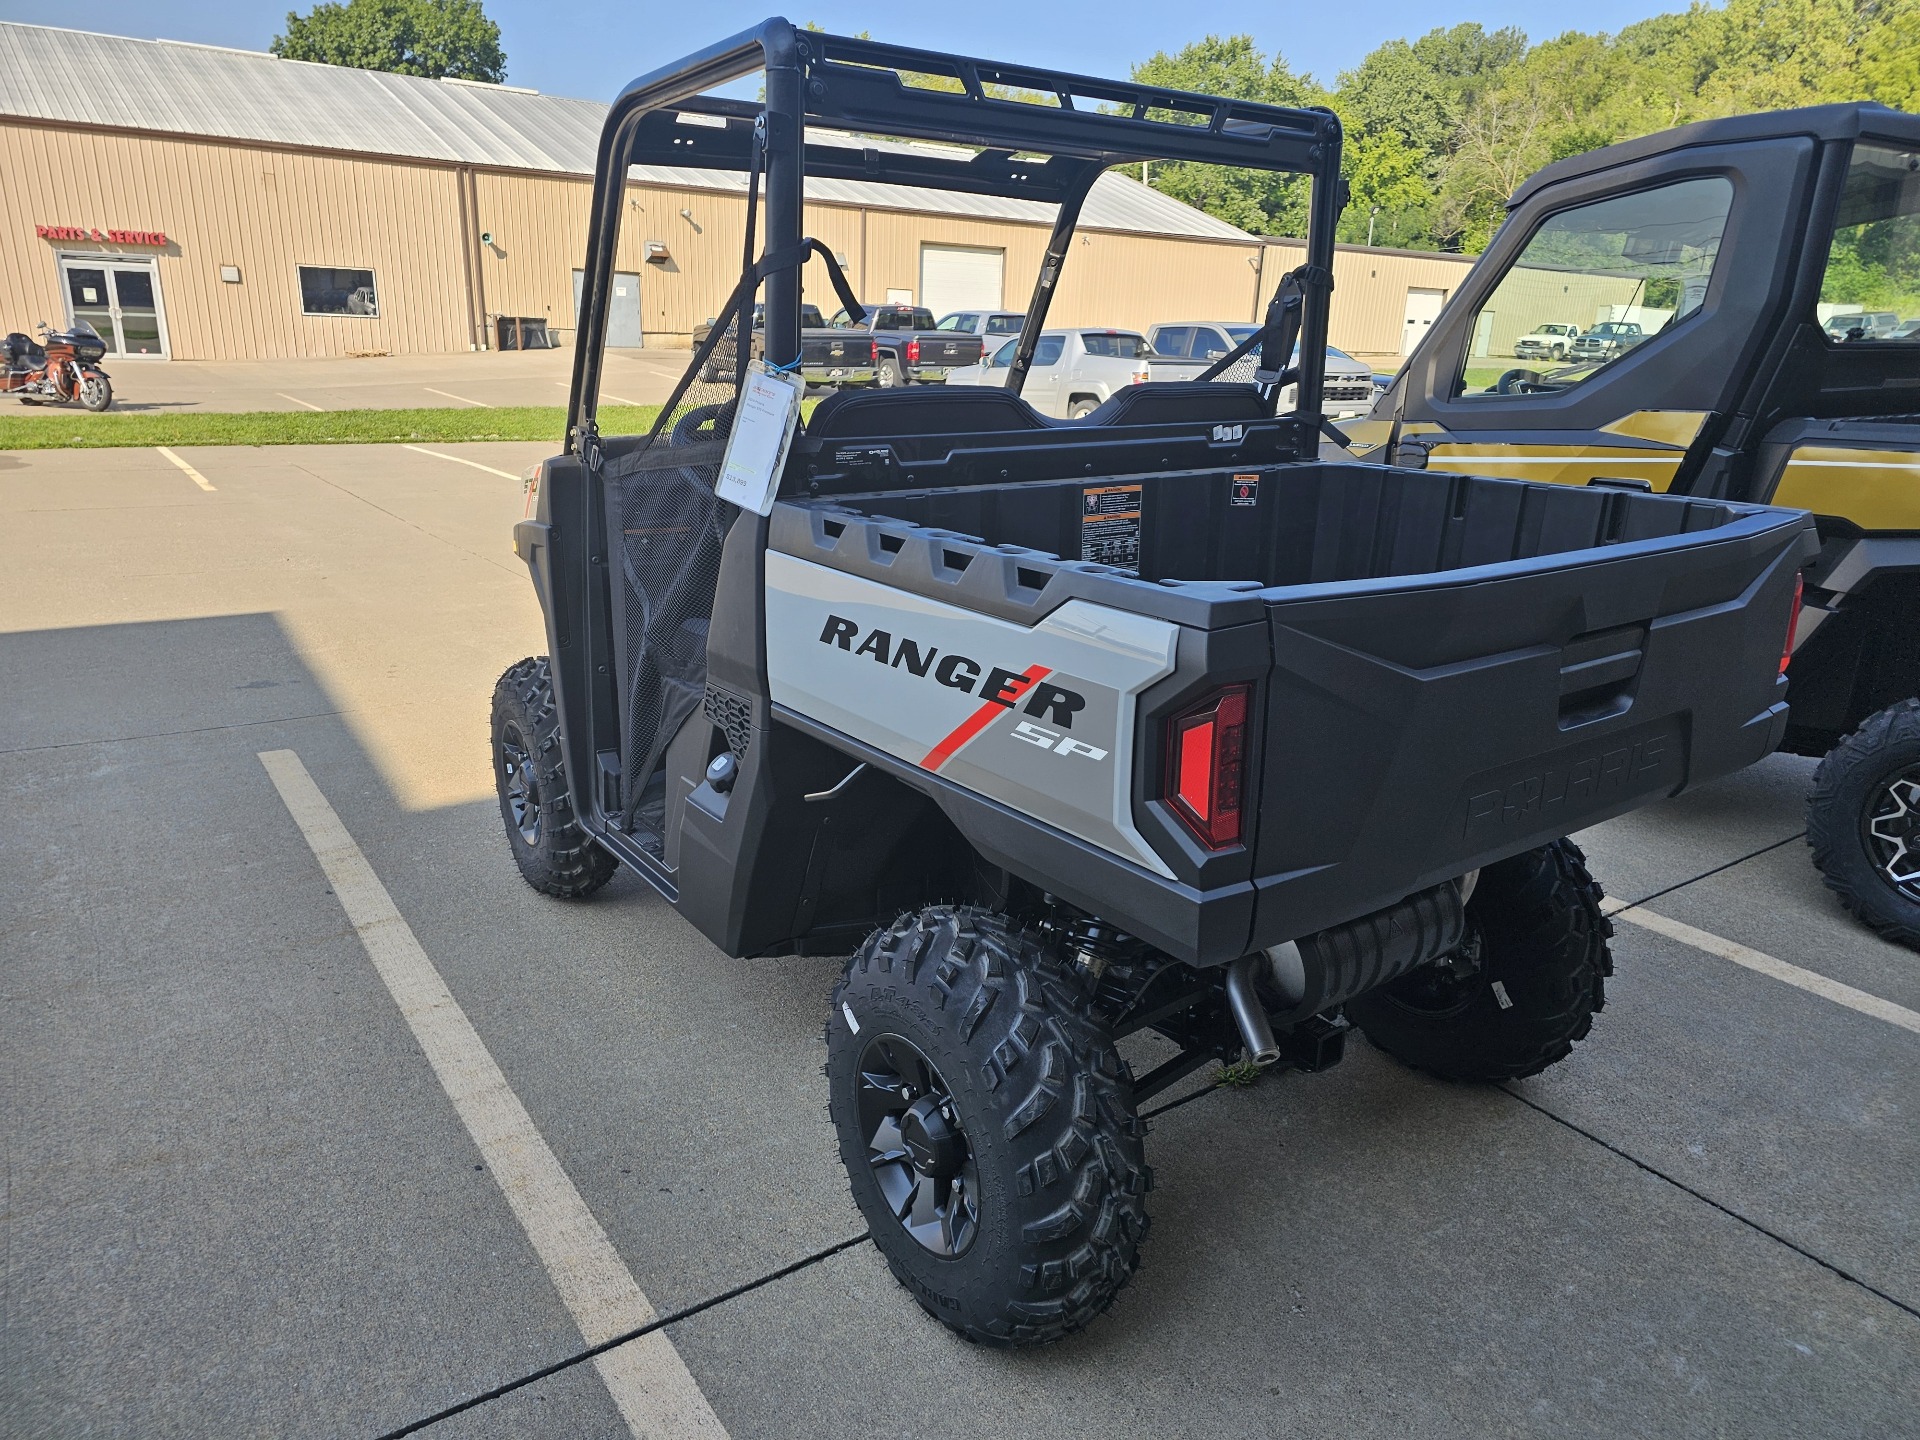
(554, 854)
(1049, 1148)
(1863, 822)
(1530, 976)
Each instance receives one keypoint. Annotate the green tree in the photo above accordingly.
(1233, 66)
(433, 38)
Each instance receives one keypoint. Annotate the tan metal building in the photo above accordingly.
(223, 204)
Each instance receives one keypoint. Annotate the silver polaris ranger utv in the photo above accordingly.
(1068, 730)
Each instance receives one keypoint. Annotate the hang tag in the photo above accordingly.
(763, 426)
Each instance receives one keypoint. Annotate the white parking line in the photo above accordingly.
(192, 474)
(461, 398)
(298, 401)
(460, 460)
(1809, 980)
(656, 1394)
(568, 385)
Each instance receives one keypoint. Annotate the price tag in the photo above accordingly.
(763, 426)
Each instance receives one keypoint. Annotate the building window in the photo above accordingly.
(332, 290)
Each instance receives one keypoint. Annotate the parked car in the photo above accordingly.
(1608, 340)
(1863, 325)
(989, 325)
(1547, 342)
(1348, 389)
(828, 357)
(1075, 371)
(909, 346)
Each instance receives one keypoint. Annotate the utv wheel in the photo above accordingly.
(555, 855)
(987, 1125)
(1863, 822)
(1523, 986)
(887, 375)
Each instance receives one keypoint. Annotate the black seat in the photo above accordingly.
(21, 350)
(923, 410)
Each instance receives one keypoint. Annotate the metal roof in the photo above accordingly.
(205, 91)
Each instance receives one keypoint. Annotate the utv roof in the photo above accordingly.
(1821, 122)
(1026, 132)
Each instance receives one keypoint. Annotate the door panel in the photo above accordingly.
(89, 299)
(139, 310)
(1423, 308)
(1684, 259)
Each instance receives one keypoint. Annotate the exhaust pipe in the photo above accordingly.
(1319, 971)
(1256, 1033)
(1322, 970)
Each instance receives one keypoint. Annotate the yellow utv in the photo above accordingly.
(1747, 297)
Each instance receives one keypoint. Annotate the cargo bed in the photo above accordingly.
(1448, 669)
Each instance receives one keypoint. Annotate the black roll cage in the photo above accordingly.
(1047, 136)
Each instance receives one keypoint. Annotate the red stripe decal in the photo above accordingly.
(978, 721)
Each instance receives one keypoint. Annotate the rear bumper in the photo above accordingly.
(837, 374)
(928, 374)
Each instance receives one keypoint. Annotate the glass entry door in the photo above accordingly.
(120, 299)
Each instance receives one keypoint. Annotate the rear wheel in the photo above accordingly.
(987, 1126)
(1863, 822)
(887, 374)
(1082, 406)
(1521, 989)
(555, 855)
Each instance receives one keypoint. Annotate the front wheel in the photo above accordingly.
(1524, 985)
(555, 855)
(1863, 822)
(96, 391)
(987, 1125)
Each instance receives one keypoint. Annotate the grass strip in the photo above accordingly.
(77, 430)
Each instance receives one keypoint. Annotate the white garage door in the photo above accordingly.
(960, 277)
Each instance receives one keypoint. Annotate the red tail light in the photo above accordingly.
(913, 352)
(874, 358)
(1206, 766)
(1793, 621)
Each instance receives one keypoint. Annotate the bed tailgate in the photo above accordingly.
(1419, 727)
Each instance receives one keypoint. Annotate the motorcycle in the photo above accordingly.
(63, 370)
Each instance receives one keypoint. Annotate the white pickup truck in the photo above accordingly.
(1075, 371)
(1347, 390)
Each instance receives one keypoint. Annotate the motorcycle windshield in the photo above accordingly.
(81, 327)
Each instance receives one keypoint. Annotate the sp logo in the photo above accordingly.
(1227, 433)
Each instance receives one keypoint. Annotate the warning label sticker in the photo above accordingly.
(1110, 525)
(1246, 491)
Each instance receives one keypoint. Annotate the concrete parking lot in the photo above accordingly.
(241, 1199)
(377, 382)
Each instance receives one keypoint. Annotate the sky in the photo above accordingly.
(600, 44)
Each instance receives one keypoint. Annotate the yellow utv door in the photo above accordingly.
(1611, 326)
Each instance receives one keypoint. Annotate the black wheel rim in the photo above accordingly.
(523, 791)
(920, 1156)
(1892, 830)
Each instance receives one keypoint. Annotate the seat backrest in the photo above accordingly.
(922, 410)
(1179, 402)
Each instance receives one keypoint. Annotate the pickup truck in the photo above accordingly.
(1546, 342)
(908, 348)
(1075, 372)
(828, 357)
(1608, 340)
(992, 326)
(1068, 730)
(1348, 389)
